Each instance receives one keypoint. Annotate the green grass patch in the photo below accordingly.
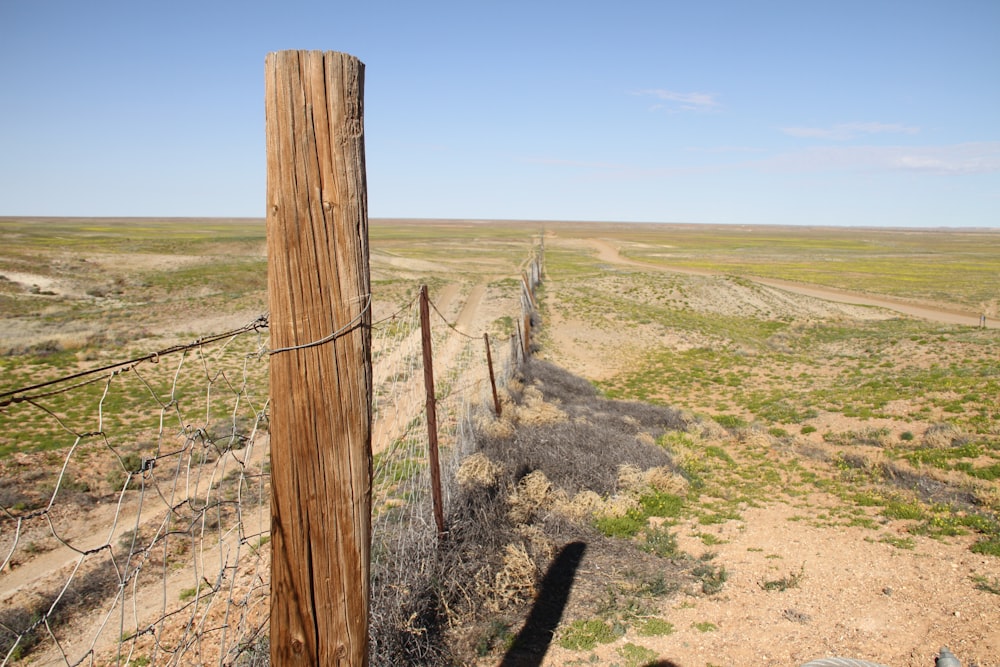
(654, 627)
(989, 473)
(585, 635)
(792, 580)
(636, 656)
(660, 541)
(498, 634)
(719, 453)
(730, 421)
(903, 510)
(898, 542)
(628, 525)
(942, 457)
(712, 578)
(988, 546)
(662, 504)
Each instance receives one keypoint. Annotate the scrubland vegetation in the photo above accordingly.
(660, 410)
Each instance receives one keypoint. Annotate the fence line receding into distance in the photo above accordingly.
(135, 501)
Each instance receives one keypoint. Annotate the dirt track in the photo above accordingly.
(607, 252)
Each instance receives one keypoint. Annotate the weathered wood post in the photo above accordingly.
(433, 458)
(526, 340)
(493, 381)
(321, 378)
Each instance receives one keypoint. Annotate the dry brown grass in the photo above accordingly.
(560, 458)
(478, 471)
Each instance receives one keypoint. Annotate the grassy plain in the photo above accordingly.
(859, 424)
(954, 267)
(868, 387)
(78, 292)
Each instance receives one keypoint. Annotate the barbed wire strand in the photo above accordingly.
(347, 328)
(10, 396)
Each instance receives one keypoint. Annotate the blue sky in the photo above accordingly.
(807, 112)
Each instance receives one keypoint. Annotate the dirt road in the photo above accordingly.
(607, 252)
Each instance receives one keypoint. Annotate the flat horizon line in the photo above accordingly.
(120, 219)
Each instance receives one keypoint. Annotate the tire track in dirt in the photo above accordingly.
(410, 397)
(608, 253)
(86, 539)
(82, 538)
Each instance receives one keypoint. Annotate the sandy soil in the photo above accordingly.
(859, 597)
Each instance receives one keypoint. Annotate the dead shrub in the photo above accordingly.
(496, 428)
(941, 436)
(529, 495)
(631, 478)
(756, 438)
(666, 480)
(619, 506)
(706, 429)
(580, 507)
(574, 455)
(646, 439)
(478, 471)
(515, 581)
(535, 410)
(538, 541)
(537, 478)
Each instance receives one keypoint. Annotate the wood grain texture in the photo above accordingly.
(430, 404)
(321, 395)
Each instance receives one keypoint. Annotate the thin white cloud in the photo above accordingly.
(674, 101)
(969, 158)
(582, 164)
(954, 159)
(724, 149)
(845, 131)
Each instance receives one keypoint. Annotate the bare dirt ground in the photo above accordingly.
(858, 597)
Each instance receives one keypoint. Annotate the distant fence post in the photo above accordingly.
(520, 347)
(321, 376)
(493, 380)
(530, 279)
(526, 340)
(433, 459)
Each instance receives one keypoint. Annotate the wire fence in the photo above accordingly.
(135, 497)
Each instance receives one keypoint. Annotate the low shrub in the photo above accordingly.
(584, 635)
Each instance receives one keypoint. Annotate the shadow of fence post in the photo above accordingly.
(532, 642)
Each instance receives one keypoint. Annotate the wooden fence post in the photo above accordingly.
(529, 291)
(527, 335)
(433, 459)
(321, 379)
(519, 345)
(493, 381)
